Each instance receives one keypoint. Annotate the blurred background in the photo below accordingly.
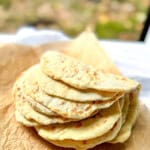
(113, 19)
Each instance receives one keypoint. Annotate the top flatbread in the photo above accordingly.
(82, 76)
(64, 91)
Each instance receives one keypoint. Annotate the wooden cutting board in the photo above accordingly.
(14, 59)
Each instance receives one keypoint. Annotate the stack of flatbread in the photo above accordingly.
(71, 103)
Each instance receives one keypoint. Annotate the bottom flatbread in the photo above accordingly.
(85, 144)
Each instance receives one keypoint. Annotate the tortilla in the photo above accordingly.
(67, 92)
(86, 144)
(125, 131)
(91, 53)
(121, 102)
(67, 109)
(86, 129)
(40, 108)
(20, 118)
(18, 91)
(16, 136)
(30, 114)
(80, 75)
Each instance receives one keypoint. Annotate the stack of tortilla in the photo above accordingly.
(71, 103)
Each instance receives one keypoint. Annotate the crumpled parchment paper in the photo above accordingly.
(13, 136)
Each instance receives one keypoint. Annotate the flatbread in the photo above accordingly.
(20, 118)
(125, 108)
(122, 102)
(65, 108)
(18, 91)
(67, 92)
(40, 108)
(86, 129)
(125, 131)
(31, 114)
(91, 53)
(79, 75)
(86, 144)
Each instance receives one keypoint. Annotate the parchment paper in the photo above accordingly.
(13, 136)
